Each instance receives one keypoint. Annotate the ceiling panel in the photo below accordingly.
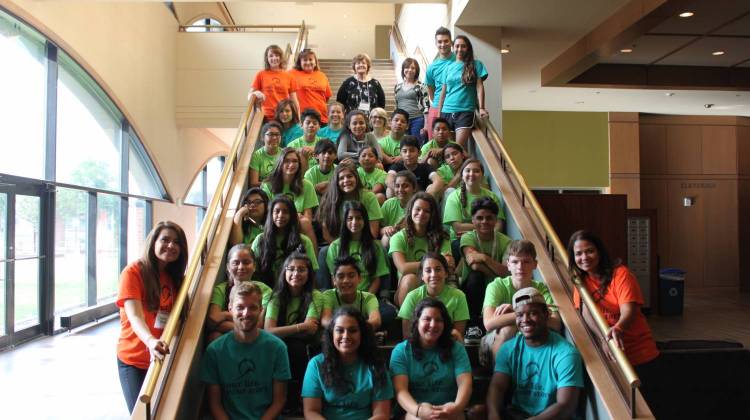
(709, 15)
(739, 27)
(649, 48)
(699, 52)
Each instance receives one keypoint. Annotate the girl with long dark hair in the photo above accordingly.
(457, 213)
(355, 136)
(287, 114)
(249, 219)
(345, 185)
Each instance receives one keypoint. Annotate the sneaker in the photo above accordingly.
(473, 335)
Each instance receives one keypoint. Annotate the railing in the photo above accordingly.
(300, 43)
(242, 28)
(397, 40)
(557, 253)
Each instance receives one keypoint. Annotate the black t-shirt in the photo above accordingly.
(422, 172)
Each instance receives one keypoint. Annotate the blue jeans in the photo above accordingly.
(131, 380)
(415, 126)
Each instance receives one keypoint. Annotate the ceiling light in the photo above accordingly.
(579, 102)
(686, 14)
(505, 50)
(626, 50)
(669, 93)
(717, 53)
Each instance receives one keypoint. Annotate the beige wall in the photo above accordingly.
(418, 23)
(337, 30)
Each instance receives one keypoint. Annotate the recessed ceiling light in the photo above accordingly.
(686, 14)
(626, 50)
(717, 53)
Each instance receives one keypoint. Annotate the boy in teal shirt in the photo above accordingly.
(306, 143)
(320, 174)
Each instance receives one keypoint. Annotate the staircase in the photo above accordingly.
(382, 70)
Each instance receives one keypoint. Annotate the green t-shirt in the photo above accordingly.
(307, 200)
(454, 300)
(292, 308)
(252, 234)
(392, 211)
(245, 372)
(370, 202)
(300, 142)
(381, 268)
(495, 248)
(446, 172)
(264, 163)
(280, 257)
(431, 379)
(390, 146)
(316, 176)
(219, 294)
(416, 252)
(366, 303)
(432, 144)
(455, 213)
(328, 133)
(501, 291)
(356, 403)
(369, 180)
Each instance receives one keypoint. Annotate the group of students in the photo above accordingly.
(331, 226)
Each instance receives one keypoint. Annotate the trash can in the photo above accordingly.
(671, 291)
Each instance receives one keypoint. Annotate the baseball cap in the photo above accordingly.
(527, 295)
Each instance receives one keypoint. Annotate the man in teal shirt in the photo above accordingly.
(246, 370)
(434, 75)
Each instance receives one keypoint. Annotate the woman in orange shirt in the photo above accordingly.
(273, 84)
(313, 89)
(148, 288)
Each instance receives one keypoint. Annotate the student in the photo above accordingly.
(320, 174)
(361, 91)
(345, 185)
(379, 123)
(391, 144)
(346, 280)
(240, 267)
(433, 270)
(357, 241)
(552, 387)
(264, 159)
(313, 89)
(249, 219)
(457, 213)
(618, 296)
(293, 313)
(427, 179)
(463, 82)
(405, 186)
(287, 178)
(246, 371)
(349, 380)
(288, 116)
(434, 74)
(412, 96)
(432, 151)
(372, 177)
(281, 236)
(422, 232)
(355, 136)
(272, 84)
(147, 291)
(305, 144)
(499, 318)
(431, 372)
(335, 123)
(450, 171)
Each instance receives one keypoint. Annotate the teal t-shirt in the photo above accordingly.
(453, 211)
(289, 135)
(365, 302)
(495, 248)
(369, 180)
(316, 176)
(392, 211)
(501, 291)
(292, 309)
(245, 372)
(328, 133)
(356, 403)
(264, 163)
(307, 200)
(432, 144)
(434, 76)
(390, 146)
(454, 300)
(280, 256)
(381, 268)
(431, 379)
(416, 252)
(460, 97)
(219, 294)
(538, 372)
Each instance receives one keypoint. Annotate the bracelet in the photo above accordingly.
(418, 407)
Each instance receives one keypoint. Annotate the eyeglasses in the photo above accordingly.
(299, 270)
(256, 202)
(273, 134)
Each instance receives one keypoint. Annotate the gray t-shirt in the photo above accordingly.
(350, 147)
(406, 99)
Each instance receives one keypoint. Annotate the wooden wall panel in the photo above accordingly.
(743, 150)
(653, 149)
(686, 228)
(721, 266)
(624, 157)
(684, 150)
(630, 186)
(654, 196)
(719, 146)
(744, 231)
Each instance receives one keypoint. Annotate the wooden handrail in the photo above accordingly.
(418, 54)
(243, 28)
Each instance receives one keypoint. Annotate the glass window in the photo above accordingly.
(3, 256)
(143, 179)
(88, 131)
(138, 227)
(195, 195)
(26, 274)
(213, 175)
(199, 26)
(23, 81)
(107, 247)
(71, 244)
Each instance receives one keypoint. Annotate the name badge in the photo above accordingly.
(161, 320)
(364, 106)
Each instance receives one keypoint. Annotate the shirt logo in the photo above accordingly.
(244, 368)
(429, 367)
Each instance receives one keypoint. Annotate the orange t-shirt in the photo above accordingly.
(640, 346)
(313, 91)
(276, 85)
(130, 349)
